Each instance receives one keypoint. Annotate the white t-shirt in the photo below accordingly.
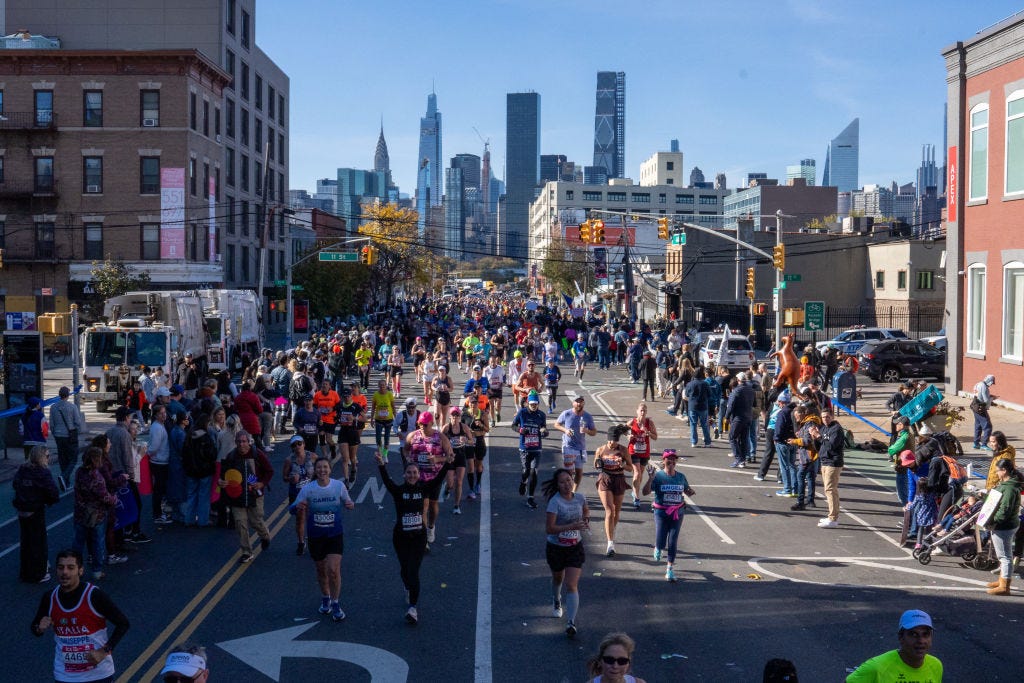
(495, 376)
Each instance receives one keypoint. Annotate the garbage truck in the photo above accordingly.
(234, 327)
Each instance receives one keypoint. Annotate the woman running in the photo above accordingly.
(479, 425)
(297, 471)
(459, 437)
(567, 518)
(410, 536)
(321, 502)
(428, 370)
(428, 449)
(419, 355)
(612, 460)
(641, 433)
(442, 386)
(395, 361)
(613, 659)
(382, 414)
(669, 486)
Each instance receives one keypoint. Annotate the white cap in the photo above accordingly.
(184, 663)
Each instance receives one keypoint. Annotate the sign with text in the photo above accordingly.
(814, 316)
(952, 188)
(347, 256)
(212, 229)
(172, 213)
(612, 235)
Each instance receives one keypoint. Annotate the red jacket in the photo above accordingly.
(249, 407)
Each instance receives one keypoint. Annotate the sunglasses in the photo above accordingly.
(621, 661)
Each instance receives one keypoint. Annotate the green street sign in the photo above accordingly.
(814, 316)
(347, 256)
(792, 277)
(298, 288)
(782, 285)
(679, 239)
(279, 283)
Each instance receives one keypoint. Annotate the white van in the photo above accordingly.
(738, 354)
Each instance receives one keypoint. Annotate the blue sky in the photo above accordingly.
(744, 86)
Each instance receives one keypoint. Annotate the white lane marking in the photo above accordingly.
(483, 667)
(48, 527)
(888, 489)
(714, 527)
(872, 562)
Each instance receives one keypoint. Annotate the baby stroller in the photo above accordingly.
(962, 540)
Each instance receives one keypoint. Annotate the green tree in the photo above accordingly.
(109, 279)
(565, 264)
(401, 254)
(332, 288)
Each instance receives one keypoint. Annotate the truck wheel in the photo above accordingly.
(891, 375)
(102, 406)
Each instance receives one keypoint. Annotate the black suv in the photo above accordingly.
(890, 360)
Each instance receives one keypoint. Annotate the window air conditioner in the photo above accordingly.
(149, 123)
(92, 189)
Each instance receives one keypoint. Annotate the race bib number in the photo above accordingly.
(382, 413)
(347, 419)
(639, 446)
(412, 521)
(424, 459)
(531, 440)
(458, 441)
(324, 410)
(672, 493)
(324, 519)
(569, 537)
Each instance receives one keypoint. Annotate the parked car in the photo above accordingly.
(938, 341)
(851, 341)
(738, 354)
(891, 360)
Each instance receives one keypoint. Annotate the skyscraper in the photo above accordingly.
(522, 166)
(806, 169)
(454, 213)
(696, 176)
(470, 165)
(927, 172)
(610, 123)
(430, 149)
(381, 161)
(423, 196)
(842, 159)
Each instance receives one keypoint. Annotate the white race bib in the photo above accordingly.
(639, 446)
(531, 440)
(672, 493)
(412, 521)
(323, 519)
(569, 537)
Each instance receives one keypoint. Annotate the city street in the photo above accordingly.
(756, 581)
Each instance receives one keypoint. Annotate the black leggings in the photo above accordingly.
(529, 460)
(410, 547)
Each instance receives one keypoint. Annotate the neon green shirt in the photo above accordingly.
(890, 668)
(383, 406)
(469, 342)
(363, 357)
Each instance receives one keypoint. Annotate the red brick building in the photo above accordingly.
(985, 221)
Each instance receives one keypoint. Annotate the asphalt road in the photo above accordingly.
(757, 581)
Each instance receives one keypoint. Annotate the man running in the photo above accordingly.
(326, 402)
(495, 375)
(531, 425)
(552, 376)
(575, 424)
(580, 354)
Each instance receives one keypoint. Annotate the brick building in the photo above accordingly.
(985, 210)
(91, 141)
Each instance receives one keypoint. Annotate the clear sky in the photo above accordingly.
(744, 86)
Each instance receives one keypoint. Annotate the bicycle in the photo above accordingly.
(56, 353)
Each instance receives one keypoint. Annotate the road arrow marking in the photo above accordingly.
(375, 488)
(264, 652)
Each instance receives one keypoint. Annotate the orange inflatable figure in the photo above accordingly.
(789, 366)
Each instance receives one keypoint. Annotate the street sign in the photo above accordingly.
(782, 285)
(347, 256)
(679, 238)
(298, 288)
(814, 316)
(279, 283)
(792, 277)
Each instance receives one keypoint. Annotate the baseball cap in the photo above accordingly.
(184, 663)
(296, 439)
(741, 377)
(307, 397)
(476, 367)
(669, 454)
(784, 397)
(162, 391)
(177, 389)
(532, 398)
(913, 618)
(578, 399)
(410, 401)
(907, 460)
(517, 354)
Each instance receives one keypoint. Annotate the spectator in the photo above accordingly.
(34, 490)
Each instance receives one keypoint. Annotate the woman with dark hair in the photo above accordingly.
(33, 426)
(567, 518)
(613, 460)
(613, 660)
(1004, 523)
(1001, 450)
(199, 459)
(93, 505)
(34, 489)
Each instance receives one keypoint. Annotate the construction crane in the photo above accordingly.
(486, 142)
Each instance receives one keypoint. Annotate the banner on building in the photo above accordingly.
(212, 234)
(952, 187)
(172, 213)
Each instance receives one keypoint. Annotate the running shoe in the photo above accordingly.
(531, 503)
(116, 558)
(798, 506)
(246, 558)
(456, 510)
(325, 605)
(670, 575)
(758, 477)
(828, 524)
(138, 538)
(430, 534)
(636, 503)
(476, 489)
(411, 616)
(336, 612)
(471, 496)
(162, 520)
(657, 554)
(610, 552)
(782, 494)
(570, 629)
(556, 611)
(265, 543)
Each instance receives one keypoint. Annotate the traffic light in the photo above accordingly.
(585, 232)
(750, 283)
(278, 305)
(663, 228)
(273, 305)
(598, 232)
(364, 255)
(372, 257)
(779, 256)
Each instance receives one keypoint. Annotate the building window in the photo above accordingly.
(570, 195)
(229, 118)
(216, 184)
(709, 200)
(684, 199)
(92, 108)
(43, 108)
(270, 143)
(280, 262)
(258, 88)
(662, 199)
(616, 196)
(229, 166)
(1015, 142)
(281, 197)
(206, 180)
(592, 196)
(229, 263)
(3, 234)
(1, 101)
(670, 181)
(43, 175)
(149, 108)
(149, 175)
(229, 66)
(901, 280)
(926, 279)
(244, 37)
(270, 102)
(258, 143)
(245, 82)
(192, 111)
(193, 241)
(670, 165)
(879, 279)
(229, 218)
(976, 283)
(150, 241)
(280, 109)
(641, 197)
(244, 114)
(45, 247)
(1013, 311)
(978, 185)
(244, 212)
(1, 169)
(216, 122)
(257, 178)
(244, 168)
(206, 118)
(280, 147)
(94, 241)
(245, 264)
(192, 177)
(229, 20)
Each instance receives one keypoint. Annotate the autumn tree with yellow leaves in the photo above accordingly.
(401, 254)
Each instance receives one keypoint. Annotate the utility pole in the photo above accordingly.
(75, 353)
(265, 237)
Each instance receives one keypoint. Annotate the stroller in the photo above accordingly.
(962, 540)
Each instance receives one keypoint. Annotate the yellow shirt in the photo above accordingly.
(383, 406)
(363, 357)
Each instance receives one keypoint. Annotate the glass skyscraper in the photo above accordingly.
(610, 123)
(522, 172)
(430, 149)
(454, 214)
(842, 160)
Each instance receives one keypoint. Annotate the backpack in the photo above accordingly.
(957, 472)
(949, 444)
(199, 456)
(300, 386)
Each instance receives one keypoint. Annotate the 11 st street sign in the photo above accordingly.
(348, 256)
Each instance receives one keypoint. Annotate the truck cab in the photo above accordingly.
(113, 355)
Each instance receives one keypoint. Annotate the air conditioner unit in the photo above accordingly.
(149, 123)
(217, 258)
(92, 189)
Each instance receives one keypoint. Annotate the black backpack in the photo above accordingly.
(949, 444)
(199, 455)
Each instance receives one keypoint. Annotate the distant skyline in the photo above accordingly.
(745, 87)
